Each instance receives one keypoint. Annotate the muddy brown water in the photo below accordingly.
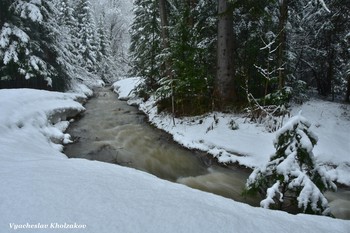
(112, 131)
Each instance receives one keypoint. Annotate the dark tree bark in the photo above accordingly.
(191, 4)
(283, 17)
(165, 41)
(347, 95)
(224, 83)
(164, 23)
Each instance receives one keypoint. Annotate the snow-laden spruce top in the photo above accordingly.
(30, 10)
(304, 142)
(292, 174)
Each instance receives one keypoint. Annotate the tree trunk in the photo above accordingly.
(329, 79)
(347, 96)
(165, 42)
(191, 4)
(283, 17)
(224, 83)
(164, 24)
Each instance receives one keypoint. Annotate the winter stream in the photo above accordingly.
(112, 131)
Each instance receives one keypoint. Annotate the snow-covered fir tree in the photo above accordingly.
(66, 13)
(28, 46)
(103, 42)
(105, 62)
(69, 25)
(291, 178)
(69, 56)
(117, 17)
(86, 34)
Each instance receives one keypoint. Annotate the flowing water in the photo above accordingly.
(112, 131)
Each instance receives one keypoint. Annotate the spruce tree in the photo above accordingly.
(69, 26)
(28, 46)
(192, 52)
(66, 13)
(103, 43)
(145, 48)
(105, 63)
(188, 56)
(86, 34)
(291, 178)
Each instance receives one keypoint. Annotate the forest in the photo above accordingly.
(221, 55)
(55, 44)
(196, 56)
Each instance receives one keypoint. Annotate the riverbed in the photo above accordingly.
(112, 131)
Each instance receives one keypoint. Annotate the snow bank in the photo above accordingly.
(128, 86)
(27, 123)
(251, 145)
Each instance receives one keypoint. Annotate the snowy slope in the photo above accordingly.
(251, 145)
(109, 198)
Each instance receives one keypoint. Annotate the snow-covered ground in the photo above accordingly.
(44, 191)
(251, 145)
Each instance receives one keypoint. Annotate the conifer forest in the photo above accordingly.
(196, 55)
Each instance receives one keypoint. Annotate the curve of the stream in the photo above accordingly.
(112, 131)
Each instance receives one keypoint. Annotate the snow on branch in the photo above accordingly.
(9, 48)
(30, 10)
(324, 5)
(270, 194)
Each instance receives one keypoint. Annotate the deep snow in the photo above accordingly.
(41, 187)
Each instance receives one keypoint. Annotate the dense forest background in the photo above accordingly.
(55, 44)
(222, 54)
(195, 55)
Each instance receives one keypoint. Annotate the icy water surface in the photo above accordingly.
(114, 132)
